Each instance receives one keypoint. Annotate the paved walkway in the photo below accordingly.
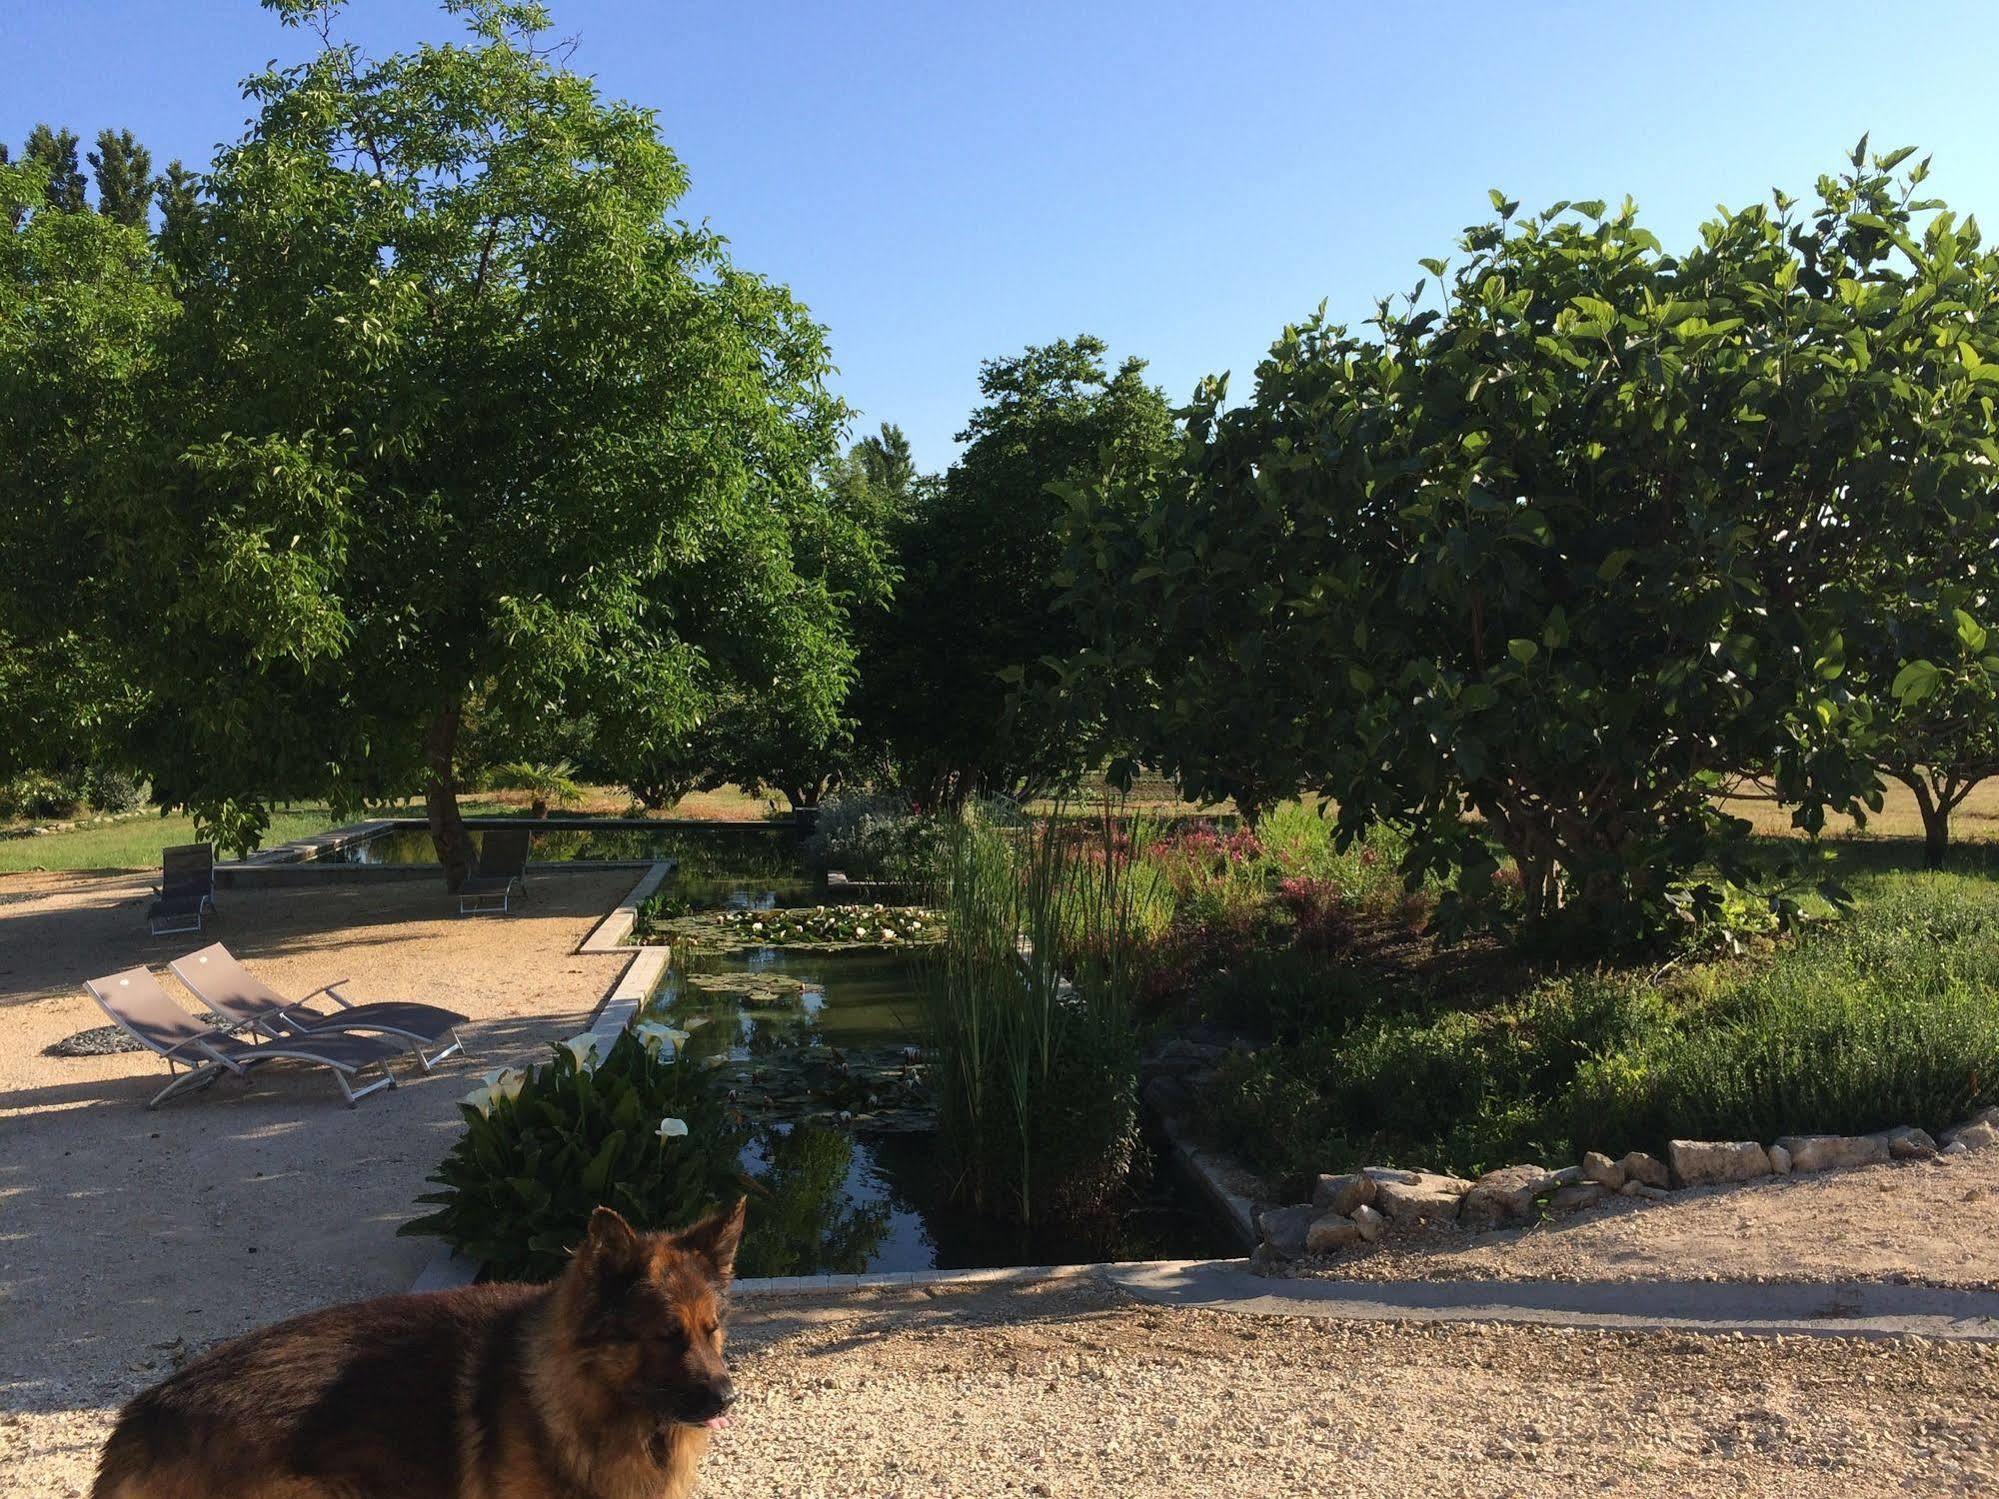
(1850, 1309)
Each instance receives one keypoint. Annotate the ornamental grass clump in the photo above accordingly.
(1032, 1043)
(622, 1126)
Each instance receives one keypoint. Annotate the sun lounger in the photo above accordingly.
(145, 1012)
(187, 888)
(503, 863)
(232, 991)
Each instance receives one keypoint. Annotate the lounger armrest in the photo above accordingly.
(203, 1044)
(332, 992)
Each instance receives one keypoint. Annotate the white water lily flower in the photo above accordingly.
(584, 1049)
(672, 1129)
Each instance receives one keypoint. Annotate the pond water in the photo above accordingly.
(822, 1051)
(737, 851)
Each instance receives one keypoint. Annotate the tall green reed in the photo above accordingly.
(1033, 1041)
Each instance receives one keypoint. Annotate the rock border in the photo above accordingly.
(1355, 1209)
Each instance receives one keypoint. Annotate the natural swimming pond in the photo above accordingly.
(737, 849)
(822, 1053)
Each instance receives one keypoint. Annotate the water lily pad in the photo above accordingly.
(753, 991)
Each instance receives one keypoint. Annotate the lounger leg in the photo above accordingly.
(354, 1095)
(194, 1077)
(431, 1061)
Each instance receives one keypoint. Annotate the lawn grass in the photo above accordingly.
(135, 842)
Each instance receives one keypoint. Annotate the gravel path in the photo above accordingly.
(1069, 1389)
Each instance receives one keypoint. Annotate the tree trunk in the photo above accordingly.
(1935, 806)
(440, 795)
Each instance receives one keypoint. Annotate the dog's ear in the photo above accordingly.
(606, 1266)
(610, 1245)
(716, 1239)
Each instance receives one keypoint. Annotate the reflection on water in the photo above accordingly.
(804, 1219)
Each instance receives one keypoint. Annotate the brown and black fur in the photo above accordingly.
(595, 1386)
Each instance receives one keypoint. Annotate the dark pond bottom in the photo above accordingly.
(834, 1202)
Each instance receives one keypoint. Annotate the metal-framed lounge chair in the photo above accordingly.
(219, 981)
(144, 1011)
(503, 864)
(187, 888)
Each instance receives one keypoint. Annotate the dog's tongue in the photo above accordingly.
(717, 1423)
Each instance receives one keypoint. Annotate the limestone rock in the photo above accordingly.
(1827, 1152)
(1370, 1223)
(1330, 1233)
(1636, 1188)
(1505, 1196)
(1953, 1150)
(1284, 1229)
(1704, 1163)
(1638, 1166)
(1576, 1198)
(1568, 1176)
(1342, 1194)
(1427, 1201)
(1907, 1143)
(1978, 1132)
(1780, 1161)
(1601, 1170)
(1379, 1174)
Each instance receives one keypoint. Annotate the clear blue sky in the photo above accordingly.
(943, 182)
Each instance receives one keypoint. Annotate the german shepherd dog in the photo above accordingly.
(602, 1384)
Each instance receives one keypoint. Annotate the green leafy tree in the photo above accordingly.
(83, 306)
(1564, 550)
(454, 415)
(977, 557)
(123, 172)
(55, 152)
(1936, 713)
(176, 190)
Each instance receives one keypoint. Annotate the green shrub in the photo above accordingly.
(37, 796)
(1891, 1017)
(1285, 993)
(543, 1148)
(111, 790)
(1449, 1090)
(877, 836)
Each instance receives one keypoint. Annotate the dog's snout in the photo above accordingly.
(725, 1394)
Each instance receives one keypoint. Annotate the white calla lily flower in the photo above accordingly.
(656, 1037)
(480, 1099)
(584, 1049)
(672, 1129)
